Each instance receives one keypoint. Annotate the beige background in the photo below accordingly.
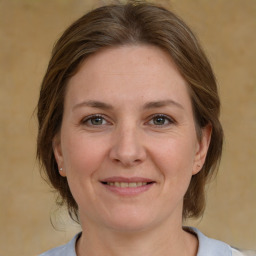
(28, 30)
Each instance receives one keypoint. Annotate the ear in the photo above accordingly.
(202, 148)
(56, 145)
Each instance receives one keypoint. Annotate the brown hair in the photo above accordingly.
(136, 22)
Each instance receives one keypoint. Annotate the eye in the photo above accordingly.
(95, 120)
(161, 120)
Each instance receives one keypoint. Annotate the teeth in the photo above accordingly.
(124, 185)
(127, 184)
(132, 185)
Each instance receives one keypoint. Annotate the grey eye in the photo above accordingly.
(160, 120)
(97, 120)
(94, 121)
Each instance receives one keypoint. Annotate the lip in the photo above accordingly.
(126, 179)
(128, 191)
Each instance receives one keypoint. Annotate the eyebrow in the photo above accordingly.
(148, 105)
(162, 103)
(93, 104)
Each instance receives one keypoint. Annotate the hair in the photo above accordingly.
(119, 24)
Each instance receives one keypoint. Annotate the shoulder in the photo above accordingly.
(237, 252)
(68, 249)
(212, 247)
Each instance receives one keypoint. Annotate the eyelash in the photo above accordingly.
(166, 117)
(95, 116)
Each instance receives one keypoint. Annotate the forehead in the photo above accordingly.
(128, 72)
(128, 58)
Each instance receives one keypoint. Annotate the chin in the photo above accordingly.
(130, 222)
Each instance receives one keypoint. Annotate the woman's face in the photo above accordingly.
(128, 144)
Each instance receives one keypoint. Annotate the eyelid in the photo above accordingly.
(170, 119)
(87, 118)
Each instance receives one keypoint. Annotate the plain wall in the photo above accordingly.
(28, 30)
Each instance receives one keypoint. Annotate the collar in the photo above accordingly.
(209, 246)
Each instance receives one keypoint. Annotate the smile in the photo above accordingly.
(127, 184)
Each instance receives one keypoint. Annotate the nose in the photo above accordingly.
(127, 147)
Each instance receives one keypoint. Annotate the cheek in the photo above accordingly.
(175, 158)
(82, 155)
(82, 158)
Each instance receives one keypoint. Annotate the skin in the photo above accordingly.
(144, 127)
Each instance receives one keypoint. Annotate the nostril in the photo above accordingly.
(116, 160)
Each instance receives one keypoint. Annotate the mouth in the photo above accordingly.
(127, 186)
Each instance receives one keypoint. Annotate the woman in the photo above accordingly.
(129, 132)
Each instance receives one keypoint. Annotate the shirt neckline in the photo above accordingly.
(206, 246)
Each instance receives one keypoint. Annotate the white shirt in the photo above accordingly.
(207, 247)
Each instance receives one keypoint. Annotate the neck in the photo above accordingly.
(163, 241)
